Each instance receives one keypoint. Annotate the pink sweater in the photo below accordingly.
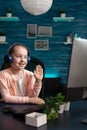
(8, 84)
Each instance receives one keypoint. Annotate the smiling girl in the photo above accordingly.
(18, 85)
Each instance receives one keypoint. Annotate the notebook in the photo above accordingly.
(22, 109)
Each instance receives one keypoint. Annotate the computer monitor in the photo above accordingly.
(76, 89)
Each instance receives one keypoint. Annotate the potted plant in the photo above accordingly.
(2, 37)
(9, 12)
(51, 108)
(62, 13)
(66, 106)
(60, 99)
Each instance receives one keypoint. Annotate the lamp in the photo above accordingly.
(36, 7)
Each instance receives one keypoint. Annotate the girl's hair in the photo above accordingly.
(11, 49)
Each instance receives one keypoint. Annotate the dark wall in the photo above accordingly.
(57, 58)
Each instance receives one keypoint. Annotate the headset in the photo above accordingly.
(8, 58)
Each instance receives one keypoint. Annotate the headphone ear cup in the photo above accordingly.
(8, 58)
(28, 59)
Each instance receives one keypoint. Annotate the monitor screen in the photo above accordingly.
(77, 79)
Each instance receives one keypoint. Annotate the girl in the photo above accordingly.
(18, 85)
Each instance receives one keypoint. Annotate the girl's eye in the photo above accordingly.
(18, 56)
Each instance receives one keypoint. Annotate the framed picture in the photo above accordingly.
(31, 30)
(41, 44)
(45, 31)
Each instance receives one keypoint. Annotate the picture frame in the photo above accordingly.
(41, 45)
(45, 31)
(31, 30)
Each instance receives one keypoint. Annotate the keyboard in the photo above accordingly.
(84, 121)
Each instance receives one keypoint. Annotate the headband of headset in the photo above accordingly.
(8, 58)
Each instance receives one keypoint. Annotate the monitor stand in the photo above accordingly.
(84, 121)
(84, 93)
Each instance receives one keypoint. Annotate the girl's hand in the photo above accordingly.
(38, 73)
(36, 100)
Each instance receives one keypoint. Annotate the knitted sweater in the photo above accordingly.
(8, 86)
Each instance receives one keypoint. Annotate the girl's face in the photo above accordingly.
(19, 56)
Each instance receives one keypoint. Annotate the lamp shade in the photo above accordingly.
(36, 7)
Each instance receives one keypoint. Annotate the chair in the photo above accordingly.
(31, 66)
(52, 86)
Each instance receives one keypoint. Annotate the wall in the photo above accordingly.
(57, 58)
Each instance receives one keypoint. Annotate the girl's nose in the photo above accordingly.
(22, 58)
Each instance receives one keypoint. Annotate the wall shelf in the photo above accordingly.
(1, 42)
(60, 19)
(9, 19)
(68, 43)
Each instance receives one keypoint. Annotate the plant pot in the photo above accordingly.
(9, 14)
(52, 110)
(62, 15)
(68, 39)
(2, 38)
(67, 106)
(61, 109)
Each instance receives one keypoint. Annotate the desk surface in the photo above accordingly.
(66, 121)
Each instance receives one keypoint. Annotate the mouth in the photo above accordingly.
(22, 65)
